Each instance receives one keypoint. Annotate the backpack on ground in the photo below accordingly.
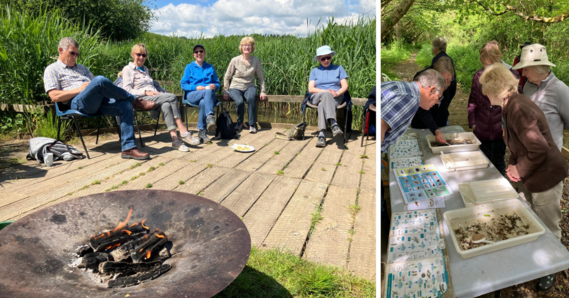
(296, 132)
(225, 126)
(41, 146)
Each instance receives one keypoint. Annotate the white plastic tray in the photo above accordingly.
(468, 216)
(462, 161)
(486, 191)
(454, 148)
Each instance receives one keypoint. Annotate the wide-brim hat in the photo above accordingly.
(533, 55)
(323, 50)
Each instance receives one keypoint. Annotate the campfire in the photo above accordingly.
(126, 255)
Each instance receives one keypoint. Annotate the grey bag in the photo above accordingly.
(40, 146)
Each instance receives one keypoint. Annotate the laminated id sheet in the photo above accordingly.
(420, 183)
(422, 278)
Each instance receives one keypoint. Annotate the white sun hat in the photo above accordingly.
(323, 50)
(533, 55)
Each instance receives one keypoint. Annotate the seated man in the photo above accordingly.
(73, 84)
(401, 100)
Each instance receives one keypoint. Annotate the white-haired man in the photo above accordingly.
(398, 103)
(74, 86)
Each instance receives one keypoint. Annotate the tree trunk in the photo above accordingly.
(395, 16)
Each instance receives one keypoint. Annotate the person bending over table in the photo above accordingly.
(138, 82)
(535, 161)
(437, 116)
(327, 85)
(241, 73)
(74, 86)
(484, 117)
(199, 84)
(398, 103)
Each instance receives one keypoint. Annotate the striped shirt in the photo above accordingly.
(59, 76)
(135, 81)
(399, 103)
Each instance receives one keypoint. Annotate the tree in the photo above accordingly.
(396, 15)
(117, 19)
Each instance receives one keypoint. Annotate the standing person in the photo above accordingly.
(485, 118)
(516, 61)
(241, 73)
(401, 100)
(74, 86)
(549, 93)
(199, 83)
(327, 85)
(437, 116)
(535, 162)
(137, 81)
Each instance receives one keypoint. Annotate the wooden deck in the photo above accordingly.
(276, 189)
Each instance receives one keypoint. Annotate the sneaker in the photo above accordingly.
(252, 129)
(321, 142)
(545, 283)
(203, 136)
(180, 146)
(190, 139)
(210, 122)
(336, 130)
(134, 154)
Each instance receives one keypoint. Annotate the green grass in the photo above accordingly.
(193, 160)
(280, 172)
(151, 169)
(135, 165)
(274, 273)
(277, 153)
(364, 156)
(149, 185)
(209, 165)
(96, 182)
(315, 218)
(181, 182)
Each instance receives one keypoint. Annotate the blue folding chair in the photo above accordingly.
(186, 103)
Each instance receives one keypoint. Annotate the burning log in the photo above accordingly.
(136, 279)
(144, 251)
(127, 268)
(124, 251)
(91, 260)
(83, 250)
(116, 237)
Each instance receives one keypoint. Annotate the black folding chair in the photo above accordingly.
(370, 109)
(344, 105)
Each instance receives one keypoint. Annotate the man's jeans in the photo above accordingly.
(250, 95)
(206, 100)
(95, 99)
(381, 201)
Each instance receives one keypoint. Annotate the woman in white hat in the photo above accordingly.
(549, 93)
(327, 85)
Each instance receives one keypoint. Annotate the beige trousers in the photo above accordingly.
(547, 206)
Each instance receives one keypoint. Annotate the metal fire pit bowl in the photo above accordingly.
(212, 245)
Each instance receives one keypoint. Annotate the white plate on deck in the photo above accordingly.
(243, 148)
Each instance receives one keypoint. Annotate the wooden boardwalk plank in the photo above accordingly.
(171, 181)
(244, 196)
(225, 185)
(261, 156)
(369, 177)
(348, 172)
(292, 227)
(323, 168)
(286, 154)
(202, 180)
(300, 165)
(265, 212)
(329, 242)
(362, 249)
(234, 158)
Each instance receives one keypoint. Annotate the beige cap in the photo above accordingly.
(533, 55)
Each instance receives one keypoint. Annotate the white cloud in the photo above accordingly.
(236, 17)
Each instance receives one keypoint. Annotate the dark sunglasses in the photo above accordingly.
(73, 53)
(325, 58)
(199, 51)
(140, 55)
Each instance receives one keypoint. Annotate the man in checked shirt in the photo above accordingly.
(398, 103)
(73, 86)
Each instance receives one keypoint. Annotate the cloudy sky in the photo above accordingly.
(191, 18)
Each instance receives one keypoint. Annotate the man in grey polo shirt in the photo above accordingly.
(73, 85)
(549, 93)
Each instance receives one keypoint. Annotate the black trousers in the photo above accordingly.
(495, 151)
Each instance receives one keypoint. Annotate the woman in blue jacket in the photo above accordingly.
(199, 84)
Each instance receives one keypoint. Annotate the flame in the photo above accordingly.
(148, 254)
(160, 236)
(142, 223)
(127, 231)
(113, 246)
(123, 224)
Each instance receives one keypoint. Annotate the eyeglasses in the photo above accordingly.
(247, 46)
(199, 51)
(325, 59)
(73, 53)
(140, 55)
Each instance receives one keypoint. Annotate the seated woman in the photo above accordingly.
(484, 117)
(137, 81)
(437, 116)
(535, 162)
(327, 85)
(199, 84)
(241, 73)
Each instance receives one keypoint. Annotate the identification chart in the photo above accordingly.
(405, 162)
(421, 278)
(421, 183)
(406, 146)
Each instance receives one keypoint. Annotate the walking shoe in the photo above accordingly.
(336, 130)
(190, 139)
(180, 146)
(321, 142)
(210, 122)
(203, 136)
(143, 105)
(134, 153)
(252, 129)
(545, 283)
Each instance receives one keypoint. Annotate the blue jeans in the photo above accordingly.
(381, 201)
(206, 100)
(238, 96)
(96, 98)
